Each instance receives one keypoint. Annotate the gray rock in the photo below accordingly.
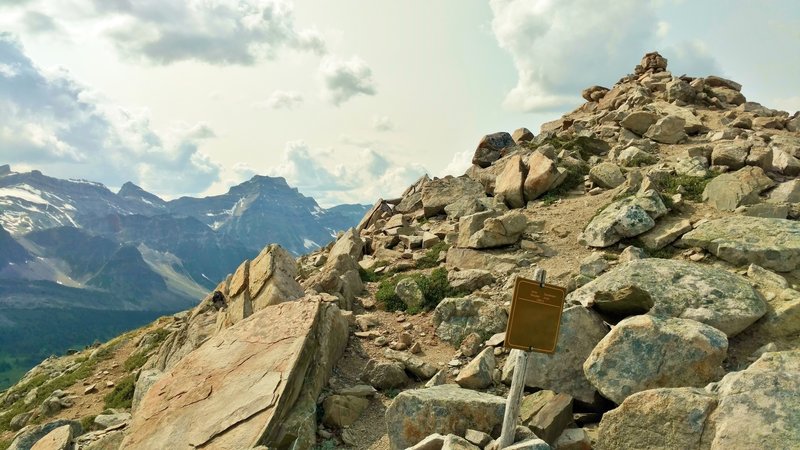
(432, 442)
(693, 167)
(478, 438)
(631, 253)
(731, 154)
(494, 232)
(788, 192)
(646, 352)
(470, 279)
(542, 174)
(606, 175)
(770, 243)
(573, 439)
(553, 418)
(679, 90)
(454, 318)
(508, 183)
(383, 375)
(342, 410)
(104, 421)
(712, 296)
(668, 130)
(20, 420)
(413, 364)
(639, 121)
(471, 345)
(593, 265)
(522, 135)
(453, 442)
(624, 218)
(665, 232)
(27, 438)
(439, 193)
(581, 329)
(465, 206)
(634, 156)
(715, 81)
(785, 163)
(416, 414)
(410, 294)
(437, 380)
(532, 444)
(478, 373)
(145, 381)
(658, 419)
(491, 148)
(731, 190)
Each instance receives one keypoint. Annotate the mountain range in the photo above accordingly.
(73, 253)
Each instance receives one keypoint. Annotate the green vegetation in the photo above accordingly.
(434, 287)
(27, 336)
(392, 392)
(327, 444)
(370, 276)
(4, 444)
(87, 423)
(122, 395)
(47, 385)
(138, 358)
(431, 258)
(690, 187)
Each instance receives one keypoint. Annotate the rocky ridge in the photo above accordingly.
(668, 207)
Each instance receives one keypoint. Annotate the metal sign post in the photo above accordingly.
(533, 326)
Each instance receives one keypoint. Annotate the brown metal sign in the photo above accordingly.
(535, 317)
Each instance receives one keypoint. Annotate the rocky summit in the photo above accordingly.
(666, 205)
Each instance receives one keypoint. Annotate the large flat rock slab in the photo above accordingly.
(240, 388)
(741, 240)
(687, 290)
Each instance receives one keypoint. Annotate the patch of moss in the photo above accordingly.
(4, 444)
(87, 423)
(122, 395)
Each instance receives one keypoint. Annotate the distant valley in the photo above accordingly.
(79, 262)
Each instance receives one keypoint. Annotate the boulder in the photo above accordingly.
(384, 375)
(639, 121)
(785, 163)
(606, 175)
(770, 243)
(146, 379)
(581, 329)
(625, 218)
(646, 352)
(438, 193)
(623, 302)
(454, 318)
(493, 232)
(573, 439)
(692, 123)
(715, 81)
(542, 174)
(530, 444)
(667, 130)
(453, 442)
(593, 265)
(479, 372)
(658, 419)
(432, 442)
(679, 90)
(787, 192)
(594, 93)
(470, 279)
(342, 410)
(413, 364)
(446, 409)
(758, 407)
(58, 439)
(521, 135)
(104, 421)
(634, 157)
(410, 294)
(471, 345)
(532, 404)
(731, 190)
(731, 154)
(665, 232)
(31, 435)
(508, 184)
(553, 418)
(682, 289)
(727, 95)
(255, 382)
(491, 148)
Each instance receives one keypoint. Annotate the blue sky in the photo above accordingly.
(349, 100)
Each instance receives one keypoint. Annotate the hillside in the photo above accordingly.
(666, 205)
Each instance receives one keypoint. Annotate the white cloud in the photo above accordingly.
(217, 32)
(60, 126)
(382, 123)
(459, 164)
(559, 48)
(344, 79)
(282, 100)
(663, 29)
(321, 174)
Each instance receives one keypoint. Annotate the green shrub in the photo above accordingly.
(693, 187)
(327, 444)
(4, 444)
(369, 275)
(87, 423)
(137, 359)
(431, 258)
(434, 287)
(122, 395)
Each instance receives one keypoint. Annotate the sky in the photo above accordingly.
(349, 100)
